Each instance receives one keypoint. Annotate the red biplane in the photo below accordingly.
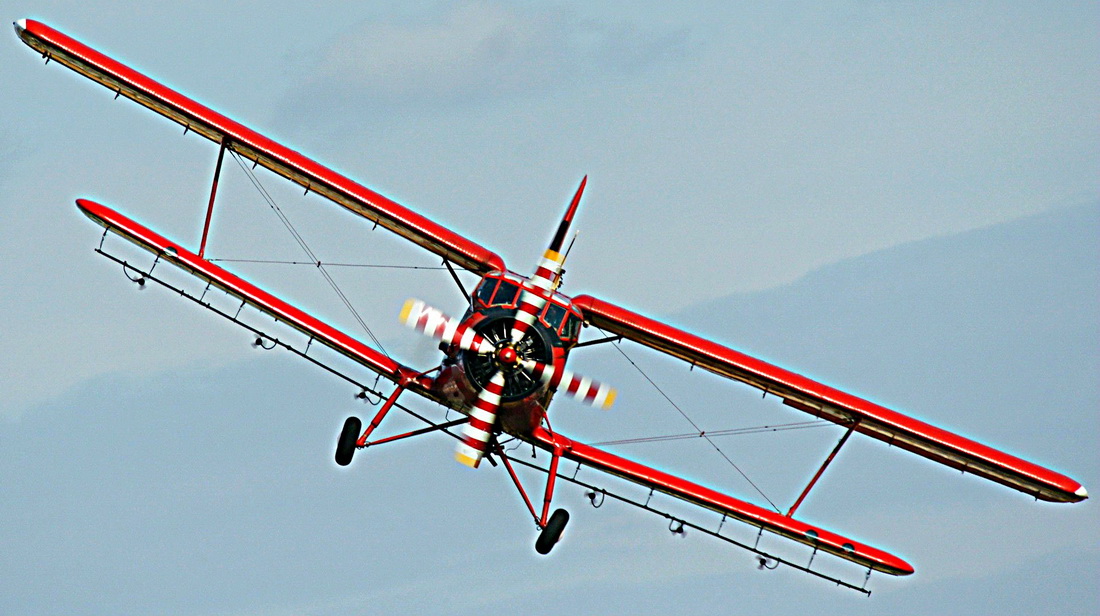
(504, 359)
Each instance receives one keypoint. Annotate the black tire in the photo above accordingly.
(551, 534)
(345, 447)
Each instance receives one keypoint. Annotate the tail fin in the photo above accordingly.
(547, 274)
(549, 270)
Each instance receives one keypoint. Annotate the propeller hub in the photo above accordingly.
(507, 356)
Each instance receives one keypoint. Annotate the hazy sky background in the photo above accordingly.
(896, 199)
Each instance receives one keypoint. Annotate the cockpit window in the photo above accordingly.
(506, 294)
(554, 315)
(572, 327)
(485, 293)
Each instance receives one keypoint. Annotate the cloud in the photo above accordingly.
(481, 51)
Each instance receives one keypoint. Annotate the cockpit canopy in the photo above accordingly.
(501, 290)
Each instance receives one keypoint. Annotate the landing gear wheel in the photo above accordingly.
(345, 447)
(551, 534)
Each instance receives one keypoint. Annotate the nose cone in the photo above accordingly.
(20, 26)
(507, 356)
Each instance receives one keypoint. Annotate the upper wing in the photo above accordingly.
(824, 401)
(313, 176)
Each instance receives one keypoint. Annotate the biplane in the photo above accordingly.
(504, 359)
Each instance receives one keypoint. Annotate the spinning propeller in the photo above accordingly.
(509, 360)
(510, 354)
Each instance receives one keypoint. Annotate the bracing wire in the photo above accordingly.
(305, 248)
(728, 432)
(701, 433)
(312, 264)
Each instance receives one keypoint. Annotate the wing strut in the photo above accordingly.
(458, 282)
(821, 470)
(213, 192)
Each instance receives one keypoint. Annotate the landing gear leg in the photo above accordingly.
(350, 438)
(551, 526)
(551, 533)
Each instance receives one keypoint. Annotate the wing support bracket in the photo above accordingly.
(458, 282)
(821, 470)
(598, 341)
(213, 192)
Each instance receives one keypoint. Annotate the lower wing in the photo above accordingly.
(249, 293)
(788, 527)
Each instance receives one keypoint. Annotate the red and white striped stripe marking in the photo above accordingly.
(420, 316)
(582, 388)
(477, 433)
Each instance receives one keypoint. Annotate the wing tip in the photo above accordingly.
(89, 208)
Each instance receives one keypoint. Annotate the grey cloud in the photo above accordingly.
(134, 492)
(482, 51)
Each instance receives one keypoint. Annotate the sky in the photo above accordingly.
(899, 200)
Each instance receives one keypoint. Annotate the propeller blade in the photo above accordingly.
(425, 319)
(530, 305)
(477, 433)
(580, 387)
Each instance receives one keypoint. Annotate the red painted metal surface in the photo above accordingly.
(63, 49)
(796, 391)
(210, 203)
(696, 494)
(380, 415)
(820, 470)
(807, 395)
(246, 291)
